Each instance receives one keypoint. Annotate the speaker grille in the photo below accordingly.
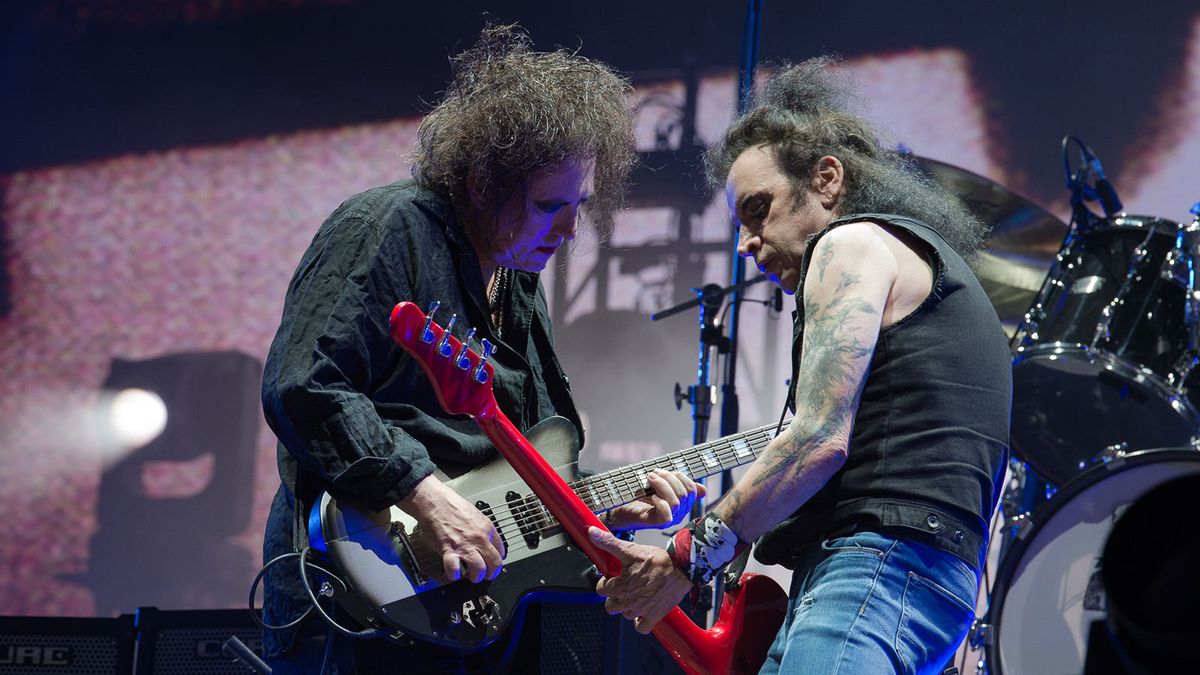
(74, 654)
(197, 651)
(573, 639)
(72, 646)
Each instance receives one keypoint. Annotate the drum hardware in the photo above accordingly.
(979, 638)
(1054, 283)
(1104, 326)
(1012, 501)
(1109, 454)
(1112, 452)
(1188, 243)
(1182, 371)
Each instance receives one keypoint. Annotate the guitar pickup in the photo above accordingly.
(528, 516)
(486, 509)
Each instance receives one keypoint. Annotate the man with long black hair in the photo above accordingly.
(880, 491)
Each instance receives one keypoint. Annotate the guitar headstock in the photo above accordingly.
(461, 378)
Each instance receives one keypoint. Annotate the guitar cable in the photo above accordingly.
(254, 591)
(304, 566)
(316, 605)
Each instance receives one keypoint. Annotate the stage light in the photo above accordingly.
(197, 467)
(137, 416)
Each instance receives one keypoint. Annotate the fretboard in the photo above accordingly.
(604, 491)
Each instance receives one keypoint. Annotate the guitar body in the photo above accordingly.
(393, 572)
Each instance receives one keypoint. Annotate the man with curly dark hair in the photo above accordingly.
(522, 147)
(879, 493)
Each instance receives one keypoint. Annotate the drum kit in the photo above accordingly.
(1104, 314)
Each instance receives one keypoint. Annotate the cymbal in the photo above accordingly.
(1023, 241)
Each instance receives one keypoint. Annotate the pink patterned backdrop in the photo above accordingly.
(190, 250)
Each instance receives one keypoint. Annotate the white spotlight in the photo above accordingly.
(137, 417)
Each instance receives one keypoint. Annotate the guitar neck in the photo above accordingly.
(613, 488)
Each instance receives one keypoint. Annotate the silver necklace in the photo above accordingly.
(496, 298)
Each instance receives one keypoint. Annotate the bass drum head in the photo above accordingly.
(1048, 590)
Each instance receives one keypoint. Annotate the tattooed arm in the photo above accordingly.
(848, 284)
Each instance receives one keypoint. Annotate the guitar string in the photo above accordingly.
(630, 481)
(632, 478)
(544, 521)
(430, 559)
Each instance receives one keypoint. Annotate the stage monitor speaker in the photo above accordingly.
(189, 642)
(583, 639)
(36, 645)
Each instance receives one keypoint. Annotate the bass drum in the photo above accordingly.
(1048, 590)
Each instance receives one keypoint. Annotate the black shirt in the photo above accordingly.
(353, 412)
(930, 440)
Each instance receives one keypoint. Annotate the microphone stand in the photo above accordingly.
(730, 409)
(702, 395)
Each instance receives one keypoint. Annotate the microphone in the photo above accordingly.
(1104, 190)
(777, 300)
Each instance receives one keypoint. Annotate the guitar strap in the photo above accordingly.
(303, 502)
(554, 376)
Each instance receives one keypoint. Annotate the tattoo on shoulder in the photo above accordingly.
(847, 281)
(823, 258)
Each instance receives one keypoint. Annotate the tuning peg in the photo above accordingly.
(480, 374)
(443, 345)
(461, 360)
(427, 334)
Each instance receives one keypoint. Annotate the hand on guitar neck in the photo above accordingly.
(674, 494)
(649, 586)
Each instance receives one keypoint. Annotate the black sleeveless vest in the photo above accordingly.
(930, 440)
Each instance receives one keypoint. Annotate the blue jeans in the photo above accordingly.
(868, 603)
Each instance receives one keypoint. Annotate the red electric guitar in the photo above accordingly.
(386, 562)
